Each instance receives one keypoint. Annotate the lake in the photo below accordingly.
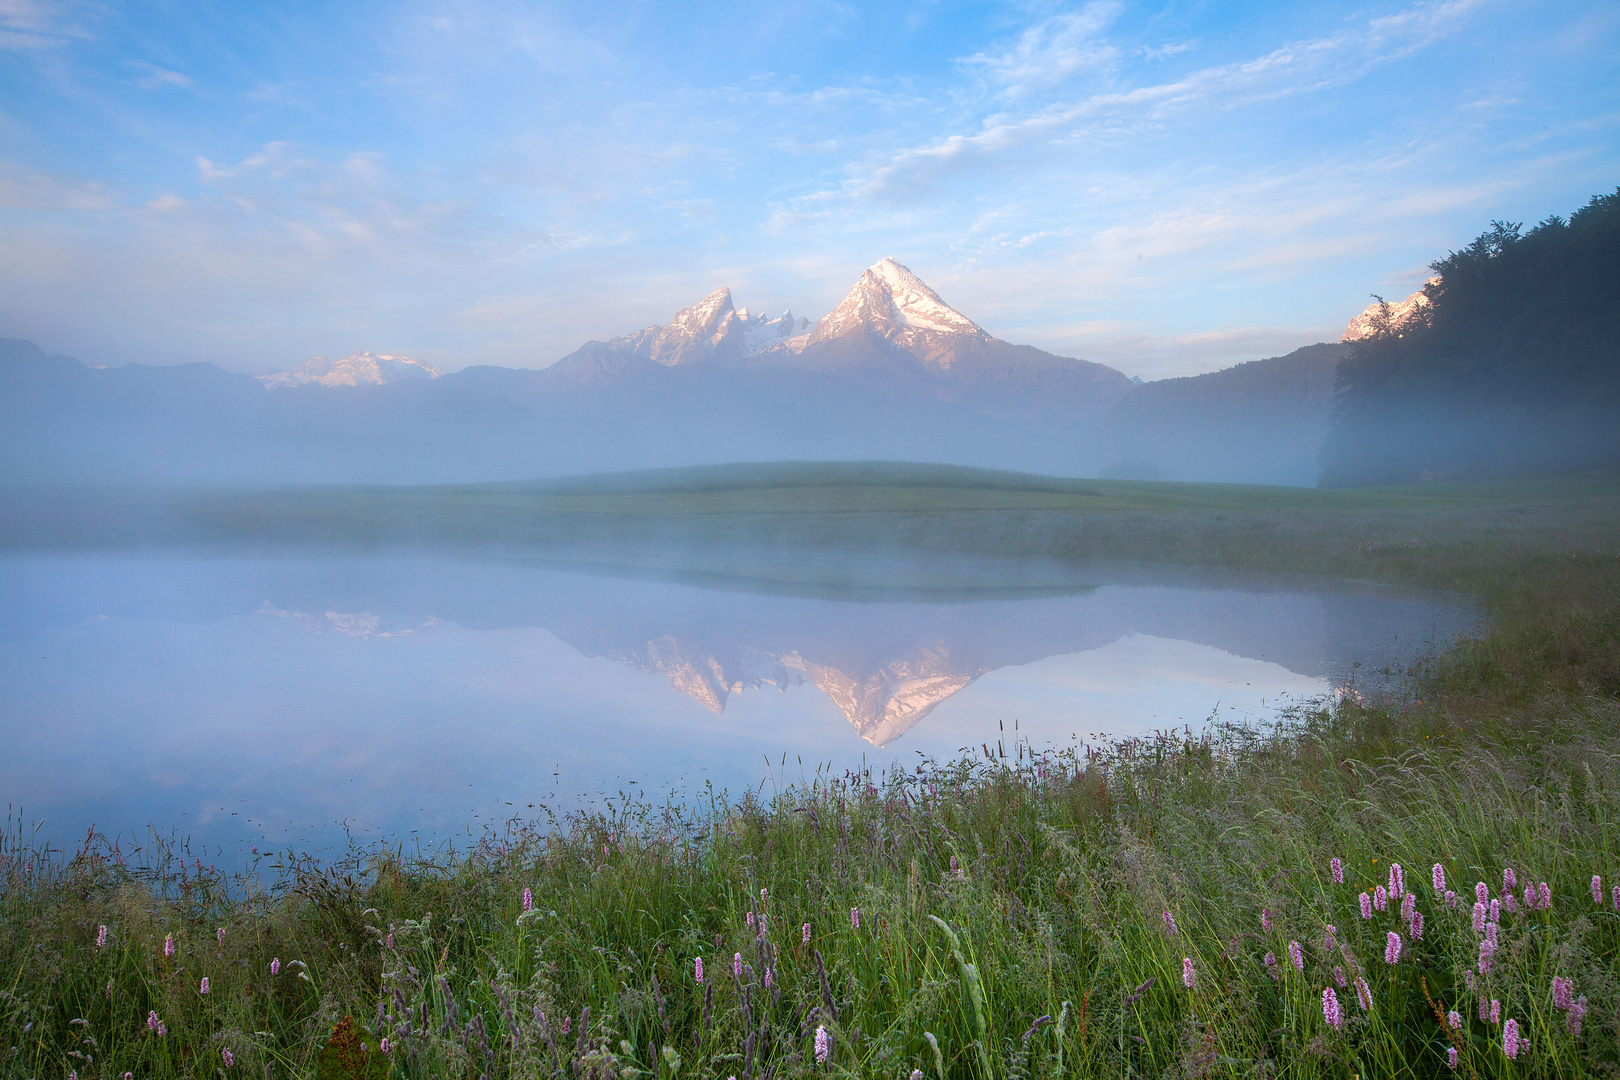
(280, 700)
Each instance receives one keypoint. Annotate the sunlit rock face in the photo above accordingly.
(1366, 324)
(881, 701)
(895, 305)
(711, 329)
(356, 369)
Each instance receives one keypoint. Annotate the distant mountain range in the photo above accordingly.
(891, 373)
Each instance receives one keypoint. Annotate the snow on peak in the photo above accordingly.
(356, 369)
(891, 301)
(1367, 323)
(712, 329)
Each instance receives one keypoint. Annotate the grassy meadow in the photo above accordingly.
(1176, 907)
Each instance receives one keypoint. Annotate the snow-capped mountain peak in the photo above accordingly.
(1367, 323)
(712, 329)
(891, 301)
(356, 369)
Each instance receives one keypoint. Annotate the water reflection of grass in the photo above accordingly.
(1054, 874)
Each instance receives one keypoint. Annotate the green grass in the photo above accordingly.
(1064, 864)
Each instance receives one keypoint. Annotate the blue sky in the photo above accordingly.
(1168, 187)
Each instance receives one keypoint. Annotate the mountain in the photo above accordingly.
(1260, 422)
(893, 373)
(1382, 317)
(356, 369)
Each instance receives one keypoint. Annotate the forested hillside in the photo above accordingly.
(1512, 369)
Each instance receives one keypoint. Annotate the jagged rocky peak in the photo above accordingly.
(712, 329)
(893, 303)
(356, 369)
(1366, 324)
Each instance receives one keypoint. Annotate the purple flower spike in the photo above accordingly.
(1496, 1011)
(528, 899)
(1454, 1020)
(1188, 975)
(1408, 907)
(1416, 925)
(1363, 994)
(1380, 897)
(1170, 923)
(1452, 899)
(1510, 881)
(1510, 1038)
(855, 917)
(1597, 889)
(1392, 948)
(1265, 919)
(101, 938)
(1544, 896)
(749, 918)
(1331, 1012)
(275, 966)
(1451, 1056)
(1297, 955)
(1397, 880)
(1482, 892)
(1616, 895)
(1577, 1016)
(1338, 870)
(230, 1062)
(1484, 1010)
(1529, 898)
(736, 965)
(203, 989)
(1271, 966)
(1366, 906)
(823, 1045)
(806, 933)
(1438, 874)
(1496, 909)
(151, 1021)
(1509, 903)
(168, 945)
(1563, 992)
(1338, 977)
(697, 970)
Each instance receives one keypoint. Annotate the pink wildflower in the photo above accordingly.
(1510, 1039)
(275, 966)
(101, 938)
(528, 899)
(1338, 977)
(736, 965)
(1397, 880)
(1487, 954)
(1484, 1010)
(750, 920)
(767, 978)
(1576, 1016)
(764, 894)
(168, 945)
(1363, 994)
(1188, 975)
(1544, 896)
(1265, 919)
(1509, 880)
(151, 1021)
(225, 1053)
(1170, 923)
(1338, 870)
(390, 939)
(1366, 906)
(1416, 925)
(1482, 892)
(1597, 889)
(697, 970)
(1331, 1012)
(823, 1045)
(1496, 909)
(1271, 966)
(1297, 955)
(203, 989)
(385, 1046)
(1563, 992)
(1451, 1056)
(1509, 903)
(1392, 948)
(1438, 876)
(1496, 1011)
(1380, 897)
(1454, 1020)
(855, 917)
(1451, 899)
(567, 1020)
(1529, 898)
(1615, 893)
(1408, 907)
(806, 933)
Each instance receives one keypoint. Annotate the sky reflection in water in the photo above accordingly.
(266, 700)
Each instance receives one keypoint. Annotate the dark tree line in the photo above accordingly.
(1513, 368)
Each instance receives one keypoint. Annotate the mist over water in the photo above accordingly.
(278, 699)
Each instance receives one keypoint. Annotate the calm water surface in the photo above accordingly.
(280, 700)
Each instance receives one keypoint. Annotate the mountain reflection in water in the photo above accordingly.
(394, 692)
